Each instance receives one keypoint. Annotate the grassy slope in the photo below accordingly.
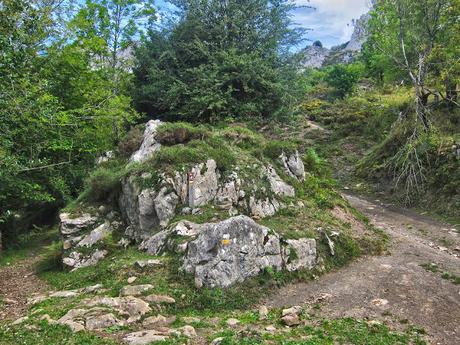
(312, 220)
(362, 139)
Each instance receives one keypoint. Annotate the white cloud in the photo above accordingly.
(331, 20)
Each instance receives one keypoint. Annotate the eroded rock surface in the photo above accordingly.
(231, 251)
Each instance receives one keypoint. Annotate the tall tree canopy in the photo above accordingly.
(219, 59)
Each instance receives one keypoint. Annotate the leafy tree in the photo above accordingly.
(218, 60)
(344, 78)
(406, 32)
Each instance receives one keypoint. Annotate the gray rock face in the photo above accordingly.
(359, 36)
(293, 165)
(98, 234)
(149, 145)
(72, 226)
(314, 56)
(278, 186)
(147, 211)
(202, 186)
(84, 232)
(300, 254)
(231, 251)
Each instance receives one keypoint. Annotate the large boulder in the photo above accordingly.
(231, 251)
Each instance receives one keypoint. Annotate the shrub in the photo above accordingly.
(273, 149)
(131, 142)
(344, 78)
(180, 133)
(103, 184)
(243, 137)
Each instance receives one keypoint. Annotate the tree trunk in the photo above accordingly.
(421, 102)
(451, 92)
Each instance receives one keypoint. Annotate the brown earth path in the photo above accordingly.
(393, 289)
(18, 282)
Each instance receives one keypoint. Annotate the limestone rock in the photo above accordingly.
(147, 211)
(147, 263)
(76, 260)
(131, 280)
(188, 331)
(154, 322)
(143, 338)
(262, 208)
(102, 322)
(202, 186)
(295, 310)
(95, 235)
(232, 322)
(230, 251)
(71, 226)
(149, 144)
(263, 312)
(299, 254)
(291, 320)
(135, 290)
(156, 243)
(130, 307)
(293, 165)
(278, 186)
(159, 299)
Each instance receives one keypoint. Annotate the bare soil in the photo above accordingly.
(394, 289)
(18, 282)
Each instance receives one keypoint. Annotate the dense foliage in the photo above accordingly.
(63, 99)
(219, 60)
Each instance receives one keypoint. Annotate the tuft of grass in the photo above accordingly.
(173, 133)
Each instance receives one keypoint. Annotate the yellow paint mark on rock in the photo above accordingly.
(226, 242)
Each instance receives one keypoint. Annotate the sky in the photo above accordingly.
(330, 21)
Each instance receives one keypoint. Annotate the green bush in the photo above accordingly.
(274, 148)
(131, 142)
(344, 78)
(174, 133)
(103, 184)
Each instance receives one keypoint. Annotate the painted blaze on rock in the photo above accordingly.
(238, 248)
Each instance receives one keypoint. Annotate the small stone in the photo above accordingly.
(154, 322)
(135, 290)
(188, 331)
(295, 310)
(74, 326)
(160, 299)
(186, 210)
(48, 319)
(65, 294)
(379, 302)
(232, 322)
(263, 312)
(270, 328)
(131, 280)
(143, 338)
(191, 319)
(197, 211)
(92, 289)
(101, 322)
(20, 321)
(147, 263)
(10, 301)
(218, 341)
(291, 320)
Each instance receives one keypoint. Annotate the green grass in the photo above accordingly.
(432, 267)
(340, 331)
(34, 242)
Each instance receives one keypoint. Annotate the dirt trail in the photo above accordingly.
(17, 283)
(393, 289)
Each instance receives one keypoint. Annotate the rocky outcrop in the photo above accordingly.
(316, 56)
(293, 165)
(149, 145)
(231, 251)
(82, 236)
